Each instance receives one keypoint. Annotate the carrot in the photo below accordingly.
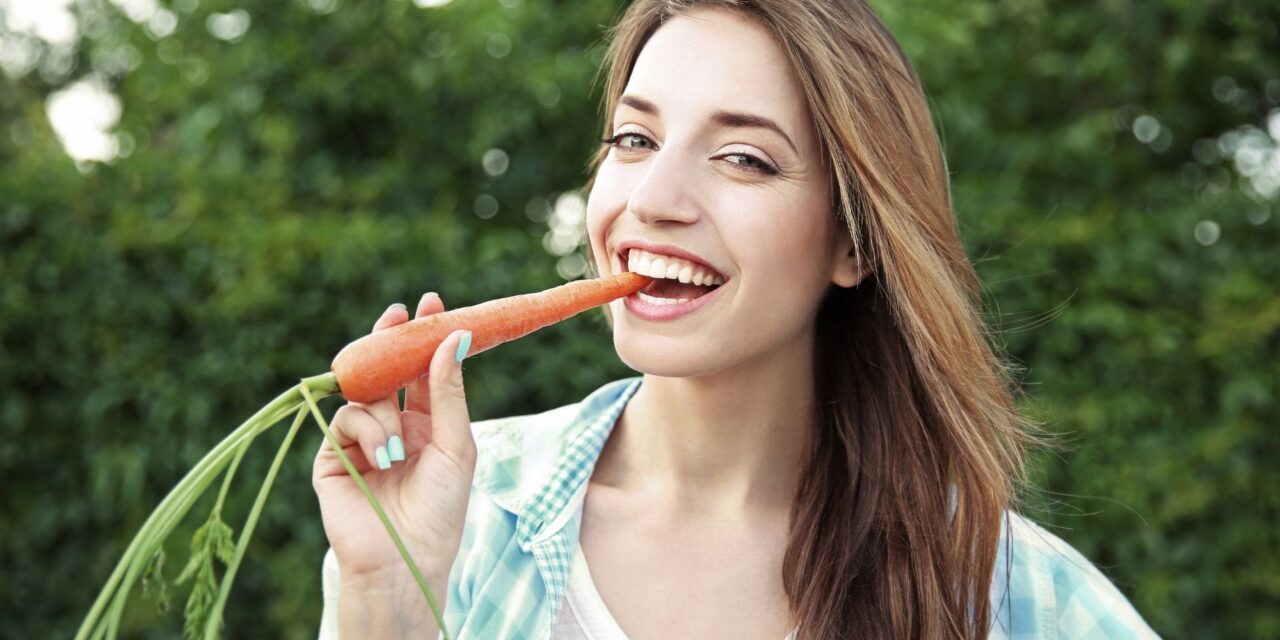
(380, 363)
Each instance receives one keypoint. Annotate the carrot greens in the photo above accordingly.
(144, 558)
(369, 369)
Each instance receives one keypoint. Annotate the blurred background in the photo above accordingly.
(202, 200)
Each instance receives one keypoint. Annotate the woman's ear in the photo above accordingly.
(848, 270)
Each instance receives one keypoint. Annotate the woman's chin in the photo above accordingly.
(669, 357)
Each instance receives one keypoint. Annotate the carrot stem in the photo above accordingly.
(214, 622)
(231, 472)
(377, 507)
(103, 618)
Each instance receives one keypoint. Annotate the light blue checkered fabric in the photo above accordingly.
(525, 513)
(534, 470)
(1044, 588)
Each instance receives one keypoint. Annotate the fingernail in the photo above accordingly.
(463, 346)
(396, 448)
(398, 304)
(384, 462)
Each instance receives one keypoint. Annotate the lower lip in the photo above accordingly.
(665, 312)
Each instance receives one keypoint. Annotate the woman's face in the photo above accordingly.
(698, 170)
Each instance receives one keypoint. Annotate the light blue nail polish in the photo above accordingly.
(463, 346)
(395, 446)
(384, 462)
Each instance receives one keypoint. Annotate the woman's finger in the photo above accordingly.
(416, 396)
(394, 315)
(352, 424)
(387, 412)
(450, 420)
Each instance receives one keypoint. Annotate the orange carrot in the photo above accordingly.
(380, 363)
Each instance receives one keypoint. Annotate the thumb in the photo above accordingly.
(450, 421)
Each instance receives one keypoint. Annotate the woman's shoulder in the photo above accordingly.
(1044, 587)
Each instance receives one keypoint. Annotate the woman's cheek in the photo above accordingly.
(595, 237)
(602, 213)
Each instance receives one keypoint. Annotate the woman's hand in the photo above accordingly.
(418, 462)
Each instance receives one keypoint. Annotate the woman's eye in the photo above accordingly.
(629, 141)
(752, 163)
(638, 141)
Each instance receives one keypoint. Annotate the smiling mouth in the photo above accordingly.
(675, 280)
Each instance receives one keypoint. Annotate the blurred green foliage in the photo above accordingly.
(275, 191)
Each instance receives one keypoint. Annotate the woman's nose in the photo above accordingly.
(667, 192)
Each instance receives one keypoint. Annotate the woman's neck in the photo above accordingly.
(717, 443)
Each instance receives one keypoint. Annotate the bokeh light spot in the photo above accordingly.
(82, 115)
(1207, 232)
(499, 45)
(571, 266)
(495, 162)
(486, 206)
(1146, 128)
(229, 26)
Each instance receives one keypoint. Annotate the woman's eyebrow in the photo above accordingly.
(723, 118)
(639, 104)
(747, 120)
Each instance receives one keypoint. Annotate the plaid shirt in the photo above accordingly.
(525, 513)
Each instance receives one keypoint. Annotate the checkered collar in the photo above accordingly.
(536, 467)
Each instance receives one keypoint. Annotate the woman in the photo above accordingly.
(823, 444)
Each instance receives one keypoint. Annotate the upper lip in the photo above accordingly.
(664, 249)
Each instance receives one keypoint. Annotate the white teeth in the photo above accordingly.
(660, 301)
(669, 268)
(686, 274)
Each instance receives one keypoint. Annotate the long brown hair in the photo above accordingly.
(897, 517)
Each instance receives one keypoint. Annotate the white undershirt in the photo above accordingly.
(583, 614)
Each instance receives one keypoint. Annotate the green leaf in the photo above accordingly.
(153, 582)
(212, 540)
